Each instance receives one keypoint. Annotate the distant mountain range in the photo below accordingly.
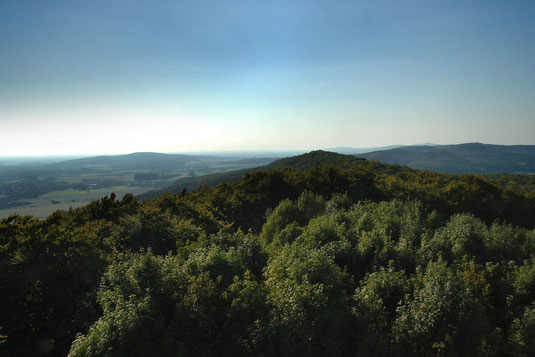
(463, 158)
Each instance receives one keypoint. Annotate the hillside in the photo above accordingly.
(134, 161)
(455, 159)
(314, 159)
(321, 261)
(75, 182)
(462, 158)
(299, 162)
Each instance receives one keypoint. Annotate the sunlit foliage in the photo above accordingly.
(329, 261)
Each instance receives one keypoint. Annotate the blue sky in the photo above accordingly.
(84, 77)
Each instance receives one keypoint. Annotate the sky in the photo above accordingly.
(120, 76)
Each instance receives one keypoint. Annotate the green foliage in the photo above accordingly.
(442, 317)
(389, 231)
(172, 307)
(356, 258)
(379, 294)
(46, 272)
(524, 284)
(523, 333)
(307, 298)
(283, 224)
(460, 240)
(376, 301)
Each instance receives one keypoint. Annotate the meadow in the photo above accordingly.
(44, 205)
(40, 188)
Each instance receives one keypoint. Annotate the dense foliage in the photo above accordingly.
(357, 260)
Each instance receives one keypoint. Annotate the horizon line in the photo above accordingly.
(240, 151)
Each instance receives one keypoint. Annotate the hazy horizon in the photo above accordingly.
(208, 76)
(238, 153)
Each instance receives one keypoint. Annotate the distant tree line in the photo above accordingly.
(144, 176)
(12, 192)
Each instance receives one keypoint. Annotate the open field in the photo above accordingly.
(43, 206)
(41, 188)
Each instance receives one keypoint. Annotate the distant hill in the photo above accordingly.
(299, 162)
(463, 158)
(134, 161)
(360, 150)
(313, 159)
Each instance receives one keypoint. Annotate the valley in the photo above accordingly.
(39, 188)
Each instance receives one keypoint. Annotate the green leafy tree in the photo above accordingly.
(306, 292)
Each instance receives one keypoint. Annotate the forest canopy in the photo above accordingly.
(353, 259)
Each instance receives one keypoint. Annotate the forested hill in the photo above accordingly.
(134, 161)
(363, 259)
(314, 159)
(463, 158)
(299, 162)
